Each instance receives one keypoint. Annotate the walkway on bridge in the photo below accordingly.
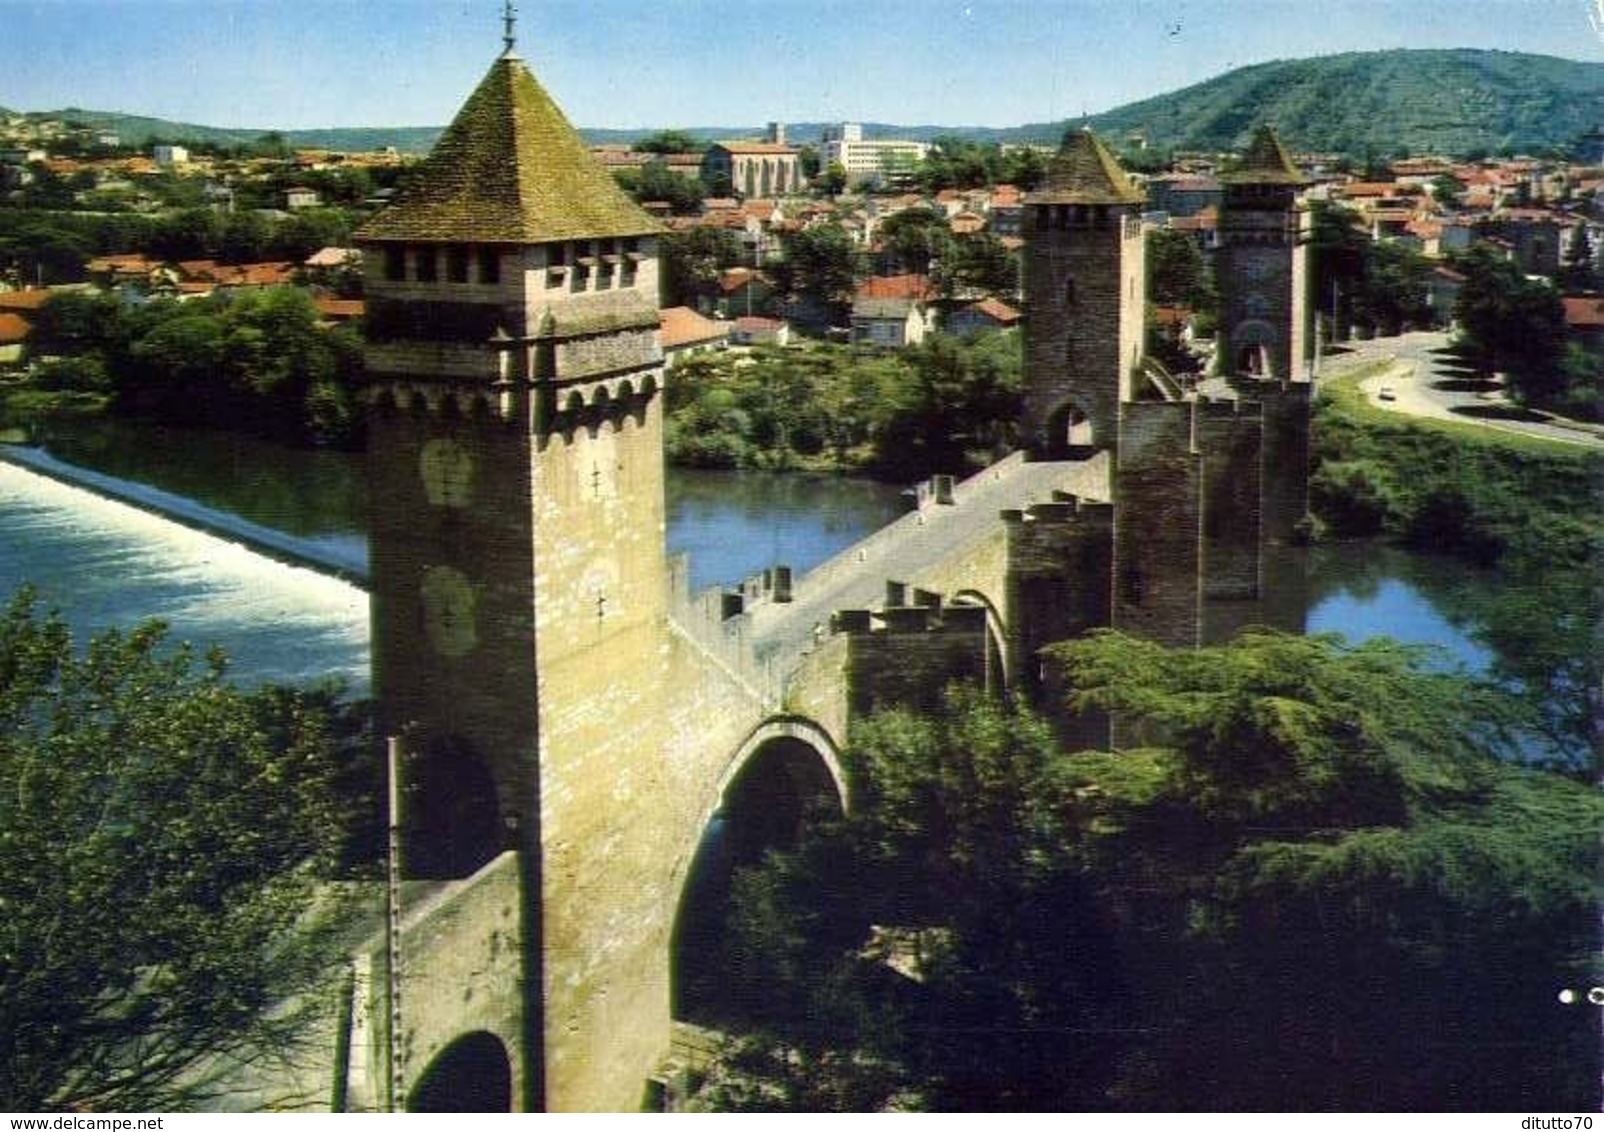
(914, 546)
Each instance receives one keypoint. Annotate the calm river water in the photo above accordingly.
(106, 563)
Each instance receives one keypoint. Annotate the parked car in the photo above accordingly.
(1385, 393)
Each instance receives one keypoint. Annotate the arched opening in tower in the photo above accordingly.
(1069, 432)
(451, 818)
(784, 786)
(1253, 360)
(472, 1074)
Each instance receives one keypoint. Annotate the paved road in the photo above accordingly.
(1425, 383)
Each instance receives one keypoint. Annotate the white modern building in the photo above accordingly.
(880, 160)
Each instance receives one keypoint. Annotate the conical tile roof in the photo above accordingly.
(1083, 171)
(509, 169)
(1265, 163)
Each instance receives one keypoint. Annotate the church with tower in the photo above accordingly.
(571, 720)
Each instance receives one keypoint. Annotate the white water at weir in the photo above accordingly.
(107, 564)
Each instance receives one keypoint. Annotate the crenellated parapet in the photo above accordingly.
(1060, 556)
(905, 655)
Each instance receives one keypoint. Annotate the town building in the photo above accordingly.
(874, 161)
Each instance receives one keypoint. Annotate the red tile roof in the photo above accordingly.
(734, 278)
(339, 310)
(681, 326)
(1585, 312)
(1370, 189)
(13, 328)
(996, 309)
(759, 149)
(897, 287)
(30, 300)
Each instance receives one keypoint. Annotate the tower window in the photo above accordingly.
(395, 262)
(457, 263)
(426, 269)
(489, 265)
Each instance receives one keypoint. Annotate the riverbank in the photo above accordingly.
(1453, 486)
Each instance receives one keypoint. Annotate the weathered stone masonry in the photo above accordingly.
(573, 720)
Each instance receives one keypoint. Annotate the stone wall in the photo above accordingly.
(1084, 284)
(462, 971)
(906, 656)
(1060, 579)
(1285, 473)
(1229, 435)
(1158, 525)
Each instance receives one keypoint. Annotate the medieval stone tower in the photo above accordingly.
(1085, 290)
(1265, 344)
(518, 572)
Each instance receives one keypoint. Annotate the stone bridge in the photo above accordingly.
(588, 748)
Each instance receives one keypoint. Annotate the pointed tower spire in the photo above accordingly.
(509, 169)
(1265, 163)
(1083, 171)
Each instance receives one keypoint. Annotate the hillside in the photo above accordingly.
(1427, 101)
(1448, 102)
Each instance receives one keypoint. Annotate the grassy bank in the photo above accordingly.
(1477, 492)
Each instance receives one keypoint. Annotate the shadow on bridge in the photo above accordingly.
(784, 785)
(472, 1074)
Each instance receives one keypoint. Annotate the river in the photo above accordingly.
(105, 563)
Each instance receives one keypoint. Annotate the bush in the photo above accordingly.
(1355, 498)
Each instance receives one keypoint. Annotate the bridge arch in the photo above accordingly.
(785, 773)
(472, 1074)
(999, 678)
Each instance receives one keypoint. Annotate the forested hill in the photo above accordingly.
(1451, 102)
(1447, 102)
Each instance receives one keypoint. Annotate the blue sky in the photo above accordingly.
(659, 63)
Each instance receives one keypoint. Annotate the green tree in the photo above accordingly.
(913, 238)
(1448, 190)
(833, 181)
(978, 263)
(1024, 167)
(1358, 892)
(1176, 273)
(164, 835)
(1308, 883)
(692, 261)
(1513, 324)
(1340, 251)
(670, 141)
(820, 263)
(1393, 290)
(654, 182)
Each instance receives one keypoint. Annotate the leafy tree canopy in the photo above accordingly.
(164, 834)
(1309, 884)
